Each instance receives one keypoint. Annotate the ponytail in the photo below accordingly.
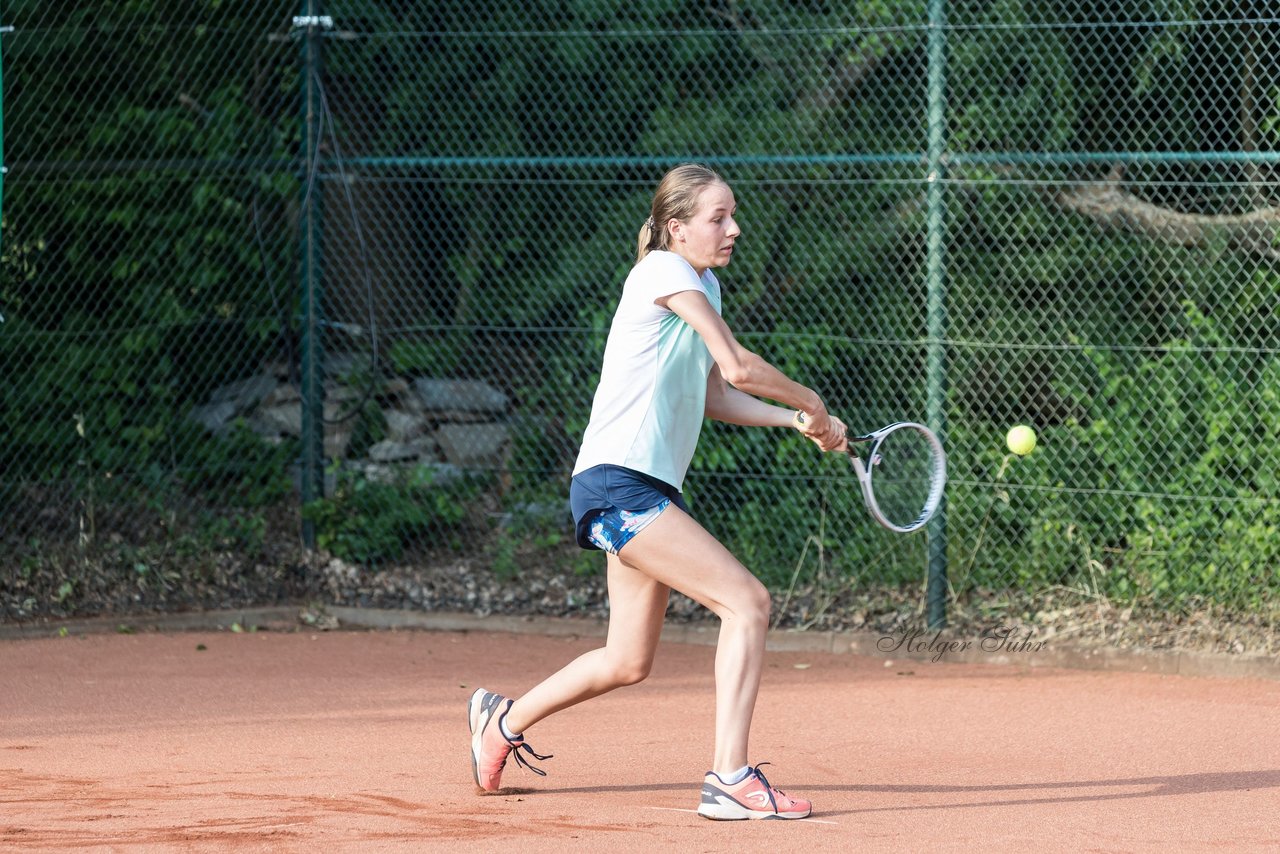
(647, 240)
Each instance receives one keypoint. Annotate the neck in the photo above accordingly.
(696, 269)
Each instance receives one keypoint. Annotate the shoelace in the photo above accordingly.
(769, 789)
(516, 747)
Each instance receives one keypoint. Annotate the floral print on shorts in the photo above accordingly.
(613, 528)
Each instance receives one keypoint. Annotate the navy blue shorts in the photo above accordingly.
(605, 491)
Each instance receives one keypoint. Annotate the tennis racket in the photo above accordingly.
(902, 476)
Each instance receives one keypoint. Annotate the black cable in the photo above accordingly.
(326, 118)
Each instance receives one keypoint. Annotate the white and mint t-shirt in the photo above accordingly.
(649, 405)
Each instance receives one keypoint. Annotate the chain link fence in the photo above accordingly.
(342, 275)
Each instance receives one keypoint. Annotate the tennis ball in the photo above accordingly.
(1021, 440)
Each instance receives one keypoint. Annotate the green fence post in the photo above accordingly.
(935, 272)
(3, 167)
(312, 232)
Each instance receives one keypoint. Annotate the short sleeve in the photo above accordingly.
(663, 273)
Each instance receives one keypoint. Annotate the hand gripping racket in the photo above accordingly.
(903, 475)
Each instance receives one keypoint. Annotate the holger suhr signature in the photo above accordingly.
(1007, 639)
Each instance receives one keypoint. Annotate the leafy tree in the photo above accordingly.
(1108, 279)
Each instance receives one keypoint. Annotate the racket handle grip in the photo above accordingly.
(800, 422)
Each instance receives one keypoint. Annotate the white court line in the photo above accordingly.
(677, 809)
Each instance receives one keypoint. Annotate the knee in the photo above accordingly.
(763, 605)
(630, 672)
(754, 606)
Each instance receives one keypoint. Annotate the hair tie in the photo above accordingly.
(652, 225)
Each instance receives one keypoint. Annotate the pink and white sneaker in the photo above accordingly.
(751, 798)
(489, 747)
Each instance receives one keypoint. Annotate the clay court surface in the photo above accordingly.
(339, 741)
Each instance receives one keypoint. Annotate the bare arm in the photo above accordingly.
(747, 372)
(728, 404)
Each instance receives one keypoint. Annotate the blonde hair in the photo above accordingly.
(675, 198)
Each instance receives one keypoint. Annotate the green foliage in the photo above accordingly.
(534, 527)
(242, 533)
(131, 288)
(1146, 499)
(1216, 537)
(237, 467)
(370, 521)
(509, 547)
(368, 425)
(150, 254)
(430, 358)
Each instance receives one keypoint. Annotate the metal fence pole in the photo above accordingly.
(311, 238)
(935, 271)
(3, 168)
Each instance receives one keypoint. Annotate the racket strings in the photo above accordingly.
(903, 470)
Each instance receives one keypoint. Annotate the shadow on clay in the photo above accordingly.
(1058, 792)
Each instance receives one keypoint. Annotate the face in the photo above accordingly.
(706, 239)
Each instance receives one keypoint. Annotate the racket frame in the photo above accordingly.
(865, 470)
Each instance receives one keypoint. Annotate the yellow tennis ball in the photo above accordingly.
(1021, 440)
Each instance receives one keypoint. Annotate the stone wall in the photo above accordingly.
(449, 424)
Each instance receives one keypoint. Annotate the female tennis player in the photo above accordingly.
(669, 362)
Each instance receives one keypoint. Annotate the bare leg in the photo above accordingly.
(637, 605)
(676, 552)
(679, 553)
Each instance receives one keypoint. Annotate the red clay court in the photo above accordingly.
(343, 741)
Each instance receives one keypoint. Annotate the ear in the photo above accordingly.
(676, 229)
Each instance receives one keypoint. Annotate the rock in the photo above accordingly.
(396, 387)
(468, 435)
(383, 473)
(282, 394)
(442, 474)
(245, 393)
(458, 416)
(473, 445)
(403, 426)
(278, 369)
(285, 419)
(460, 395)
(390, 451)
(341, 393)
(346, 364)
(337, 437)
(214, 416)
